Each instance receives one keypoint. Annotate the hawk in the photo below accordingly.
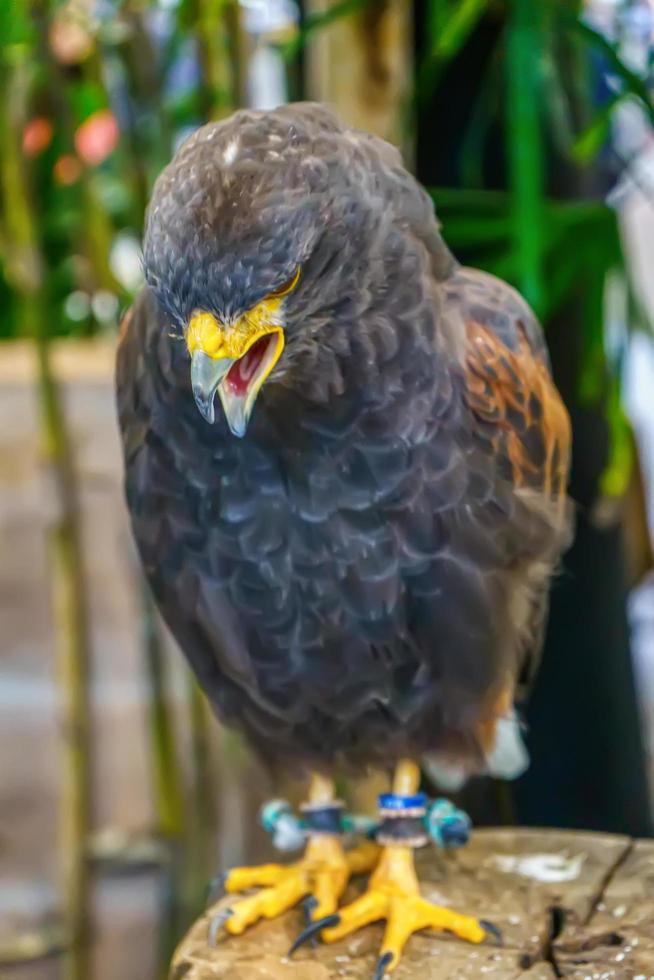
(346, 466)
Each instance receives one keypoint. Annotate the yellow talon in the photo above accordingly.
(323, 873)
(239, 879)
(393, 894)
(268, 903)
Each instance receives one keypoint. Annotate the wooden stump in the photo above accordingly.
(577, 905)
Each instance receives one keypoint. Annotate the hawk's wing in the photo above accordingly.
(510, 387)
(520, 422)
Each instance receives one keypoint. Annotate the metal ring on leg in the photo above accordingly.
(402, 820)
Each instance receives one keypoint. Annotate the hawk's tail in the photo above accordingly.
(508, 758)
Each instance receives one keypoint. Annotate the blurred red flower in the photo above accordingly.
(37, 136)
(97, 137)
(67, 170)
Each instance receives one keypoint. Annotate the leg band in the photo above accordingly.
(324, 818)
(402, 820)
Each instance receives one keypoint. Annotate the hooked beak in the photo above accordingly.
(206, 375)
(234, 363)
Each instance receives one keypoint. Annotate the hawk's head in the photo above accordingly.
(269, 236)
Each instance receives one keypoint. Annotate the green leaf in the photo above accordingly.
(525, 144)
(87, 97)
(469, 199)
(588, 144)
(633, 82)
(462, 231)
(486, 108)
(16, 25)
(455, 30)
(449, 32)
(617, 472)
(437, 13)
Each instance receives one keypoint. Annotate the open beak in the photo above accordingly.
(233, 362)
(206, 375)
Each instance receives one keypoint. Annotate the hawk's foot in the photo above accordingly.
(393, 895)
(393, 892)
(321, 876)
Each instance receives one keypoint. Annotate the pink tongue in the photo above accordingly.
(240, 374)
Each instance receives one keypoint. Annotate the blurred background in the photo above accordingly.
(531, 123)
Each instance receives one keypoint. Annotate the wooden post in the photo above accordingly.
(361, 64)
(568, 904)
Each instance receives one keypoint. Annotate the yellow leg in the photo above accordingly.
(323, 873)
(406, 781)
(393, 894)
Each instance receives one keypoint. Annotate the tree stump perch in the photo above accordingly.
(574, 905)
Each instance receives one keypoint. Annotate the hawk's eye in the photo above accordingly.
(286, 287)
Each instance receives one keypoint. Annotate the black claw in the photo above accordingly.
(216, 925)
(493, 931)
(308, 906)
(311, 930)
(216, 888)
(382, 963)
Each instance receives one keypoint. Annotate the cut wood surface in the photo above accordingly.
(570, 904)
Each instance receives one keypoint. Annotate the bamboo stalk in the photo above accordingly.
(167, 777)
(203, 802)
(215, 28)
(168, 784)
(24, 268)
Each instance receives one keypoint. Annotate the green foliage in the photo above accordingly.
(586, 146)
(449, 26)
(634, 85)
(524, 228)
(16, 27)
(525, 145)
(88, 197)
(561, 254)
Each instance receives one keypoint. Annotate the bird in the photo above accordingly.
(346, 465)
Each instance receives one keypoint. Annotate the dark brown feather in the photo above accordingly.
(365, 574)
